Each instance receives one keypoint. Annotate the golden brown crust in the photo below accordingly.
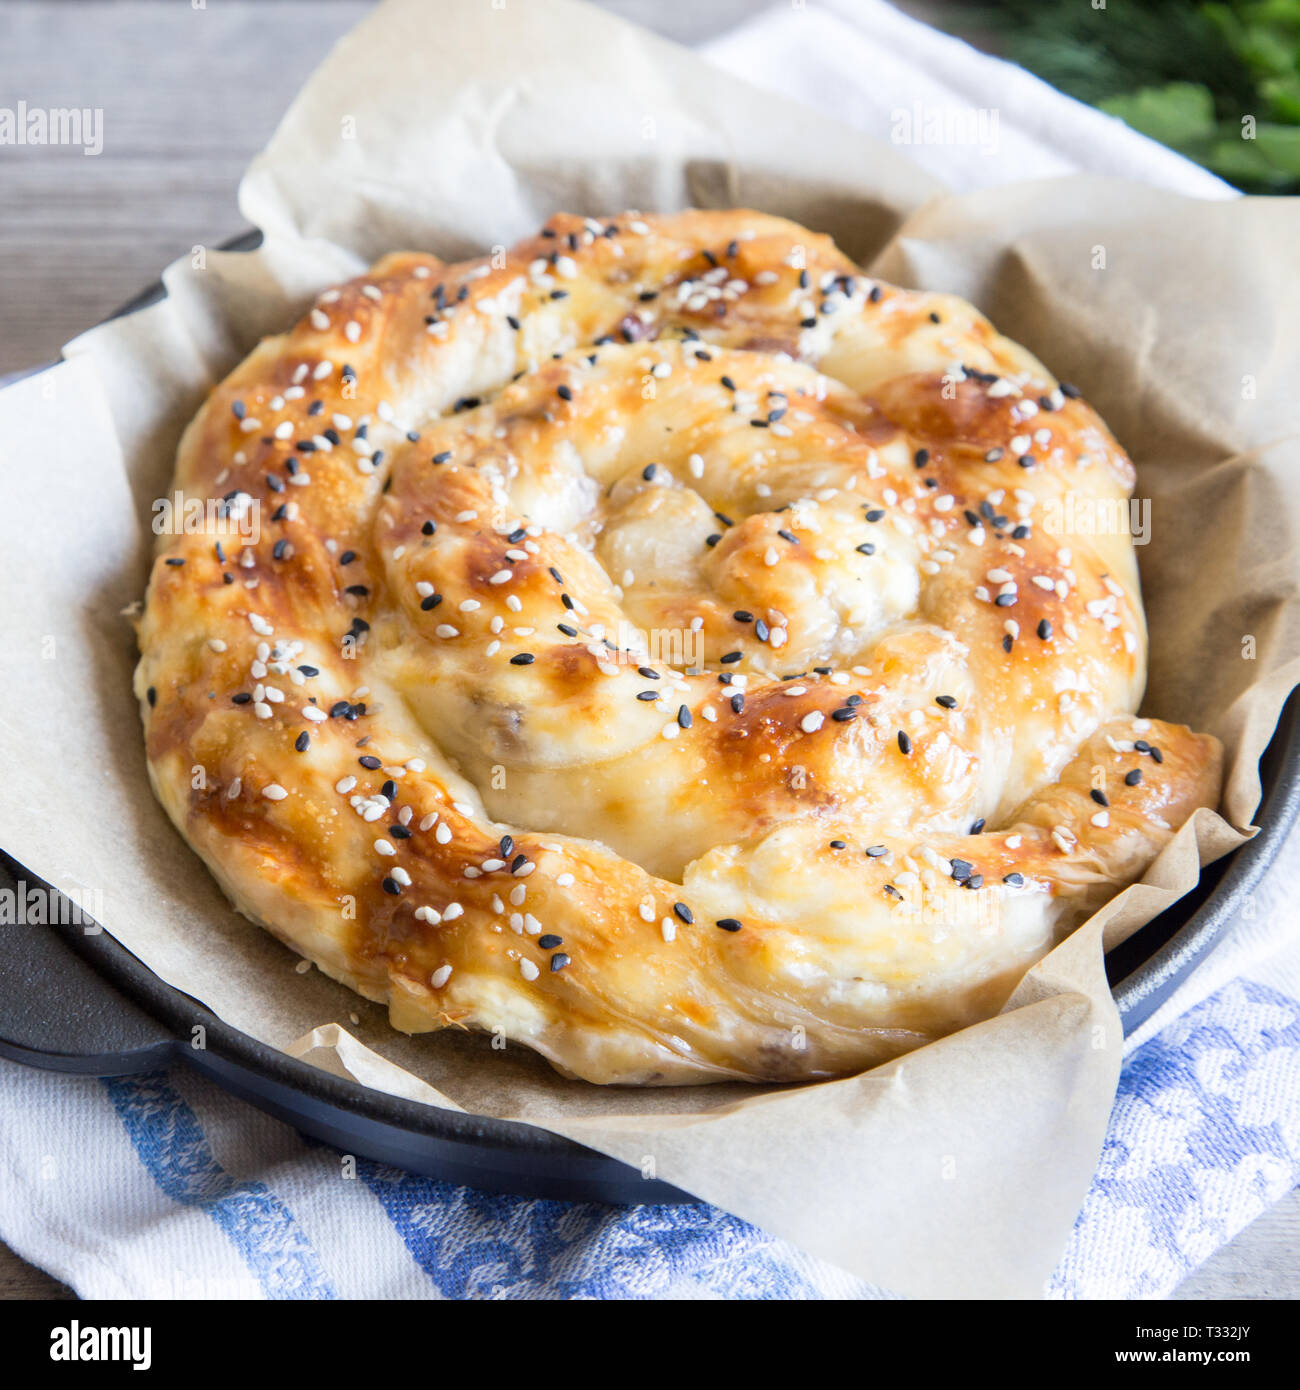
(660, 573)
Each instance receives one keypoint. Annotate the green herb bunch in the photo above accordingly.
(1217, 81)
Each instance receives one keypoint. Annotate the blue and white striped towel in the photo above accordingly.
(164, 1186)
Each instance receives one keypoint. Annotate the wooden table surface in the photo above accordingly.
(189, 95)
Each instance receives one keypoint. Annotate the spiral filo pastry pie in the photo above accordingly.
(654, 647)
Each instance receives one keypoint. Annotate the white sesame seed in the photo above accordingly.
(274, 792)
(440, 976)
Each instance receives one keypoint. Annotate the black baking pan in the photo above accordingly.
(76, 1001)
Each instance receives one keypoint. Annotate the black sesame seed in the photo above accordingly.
(558, 961)
(1070, 392)
(1026, 460)
(876, 851)
(684, 717)
(430, 602)
(243, 698)
(389, 789)
(1015, 880)
(347, 557)
(1131, 779)
(737, 703)
(728, 924)
(844, 715)
(1005, 600)
(994, 454)
(1044, 629)
(921, 457)
(302, 742)
(567, 630)
(876, 514)
(904, 743)
(565, 393)
(442, 457)
(647, 695)
(648, 672)
(976, 826)
(947, 701)
(399, 832)
(550, 941)
(866, 548)
(1157, 755)
(523, 659)
(152, 696)
(961, 869)
(369, 762)
(428, 528)
(310, 670)
(391, 885)
(684, 913)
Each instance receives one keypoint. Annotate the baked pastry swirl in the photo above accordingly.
(655, 647)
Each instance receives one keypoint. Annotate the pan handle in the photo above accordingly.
(57, 1013)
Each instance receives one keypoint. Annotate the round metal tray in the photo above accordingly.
(82, 1003)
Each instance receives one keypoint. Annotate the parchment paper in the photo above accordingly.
(957, 1170)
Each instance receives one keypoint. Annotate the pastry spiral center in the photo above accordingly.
(625, 544)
